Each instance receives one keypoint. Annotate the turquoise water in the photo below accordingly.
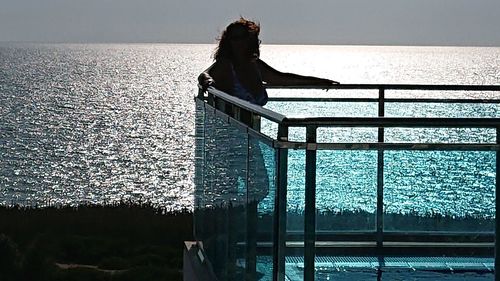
(424, 183)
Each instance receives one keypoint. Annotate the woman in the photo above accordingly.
(239, 71)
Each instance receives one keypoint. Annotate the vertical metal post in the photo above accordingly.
(256, 122)
(236, 113)
(211, 99)
(310, 208)
(497, 210)
(279, 229)
(380, 177)
(220, 104)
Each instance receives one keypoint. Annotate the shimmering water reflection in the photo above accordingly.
(106, 123)
(98, 123)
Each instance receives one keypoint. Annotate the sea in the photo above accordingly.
(110, 123)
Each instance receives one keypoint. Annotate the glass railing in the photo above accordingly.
(309, 186)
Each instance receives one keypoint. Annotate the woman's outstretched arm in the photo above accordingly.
(274, 77)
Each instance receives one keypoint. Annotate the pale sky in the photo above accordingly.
(337, 22)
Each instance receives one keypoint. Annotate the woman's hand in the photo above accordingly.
(205, 81)
(327, 82)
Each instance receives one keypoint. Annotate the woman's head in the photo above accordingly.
(239, 38)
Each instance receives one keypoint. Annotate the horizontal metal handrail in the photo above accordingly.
(388, 146)
(263, 112)
(401, 122)
(396, 87)
(386, 100)
(374, 121)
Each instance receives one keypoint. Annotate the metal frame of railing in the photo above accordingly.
(246, 116)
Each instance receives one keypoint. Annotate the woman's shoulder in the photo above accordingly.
(223, 64)
(221, 72)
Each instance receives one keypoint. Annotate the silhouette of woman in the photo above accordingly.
(239, 71)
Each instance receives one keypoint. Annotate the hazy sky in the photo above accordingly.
(380, 22)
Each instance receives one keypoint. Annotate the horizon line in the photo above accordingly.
(279, 44)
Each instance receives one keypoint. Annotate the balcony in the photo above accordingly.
(374, 182)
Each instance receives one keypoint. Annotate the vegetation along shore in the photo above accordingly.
(117, 242)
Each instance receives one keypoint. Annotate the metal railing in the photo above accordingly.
(246, 116)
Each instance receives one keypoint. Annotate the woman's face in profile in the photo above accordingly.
(244, 44)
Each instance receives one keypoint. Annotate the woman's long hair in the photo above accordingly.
(224, 49)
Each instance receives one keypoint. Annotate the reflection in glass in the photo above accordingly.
(261, 197)
(220, 216)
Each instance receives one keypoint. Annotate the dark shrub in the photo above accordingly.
(9, 259)
(114, 263)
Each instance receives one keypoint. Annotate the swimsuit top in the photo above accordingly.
(243, 93)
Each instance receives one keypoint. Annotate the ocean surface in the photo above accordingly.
(115, 122)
